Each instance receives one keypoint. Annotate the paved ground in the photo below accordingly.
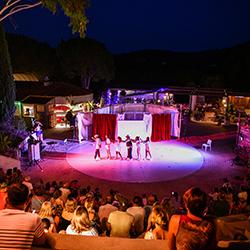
(217, 165)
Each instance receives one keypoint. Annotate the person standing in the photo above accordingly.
(138, 147)
(118, 148)
(38, 130)
(129, 146)
(98, 144)
(147, 149)
(107, 146)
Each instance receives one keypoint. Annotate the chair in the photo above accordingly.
(207, 145)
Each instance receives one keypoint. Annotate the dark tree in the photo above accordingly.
(7, 85)
(31, 56)
(87, 59)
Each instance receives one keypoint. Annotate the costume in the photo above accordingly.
(90, 232)
(98, 144)
(118, 150)
(129, 146)
(138, 148)
(147, 149)
(107, 146)
(18, 229)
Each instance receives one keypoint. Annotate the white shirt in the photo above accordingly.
(90, 232)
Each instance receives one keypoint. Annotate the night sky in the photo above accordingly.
(129, 25)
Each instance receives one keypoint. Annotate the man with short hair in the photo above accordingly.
(139, 213)
(19, 229)
(120, 223)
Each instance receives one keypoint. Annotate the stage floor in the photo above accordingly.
(171, 160)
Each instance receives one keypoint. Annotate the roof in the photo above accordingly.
(38, 89)
(37, 100)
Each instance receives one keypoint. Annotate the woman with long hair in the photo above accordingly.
(46, 212)
(159, 224)
(80, 223)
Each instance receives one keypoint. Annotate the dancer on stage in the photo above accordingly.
(118, 148)
(129, 146)
(98, 144)
(138, 147)
(107, 146)
(147, 149)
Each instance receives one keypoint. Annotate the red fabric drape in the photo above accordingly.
(161, 127)
(104, 124)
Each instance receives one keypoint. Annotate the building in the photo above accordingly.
(48, 101)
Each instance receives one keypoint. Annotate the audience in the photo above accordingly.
(68, 207)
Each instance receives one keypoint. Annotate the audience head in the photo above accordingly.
(80, 220)
(195, 201)
(46, 224)
(17, 195)
(152, 199)
(137, 200)
(159, 217)
(46, 210)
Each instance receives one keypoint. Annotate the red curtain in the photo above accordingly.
(104, 124)
(161, 127)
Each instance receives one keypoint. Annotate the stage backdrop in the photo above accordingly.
(104, 124)
(161, 127)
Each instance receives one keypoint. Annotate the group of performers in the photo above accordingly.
(129, 145)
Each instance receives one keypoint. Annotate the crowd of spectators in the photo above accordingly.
(69, 208)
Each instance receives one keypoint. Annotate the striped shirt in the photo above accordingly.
(18, 229)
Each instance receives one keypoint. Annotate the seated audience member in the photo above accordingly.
(67, 215)
(121, 223)
(221, 207)
(28, 183)
(105, 210)
(3, 195)
(139, 214)
(46, 212)
(159, 222)
(80, 223)
(151, 201)
(47, 226)
(192, 231)
(37, 199)
(24, 229)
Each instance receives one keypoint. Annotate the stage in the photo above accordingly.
(171, 160)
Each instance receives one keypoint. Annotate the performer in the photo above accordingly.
(107, 146)
(129, 146)
(38, 130)
(118, 148)
(138, 147)
(98, 144)
(147, 149)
